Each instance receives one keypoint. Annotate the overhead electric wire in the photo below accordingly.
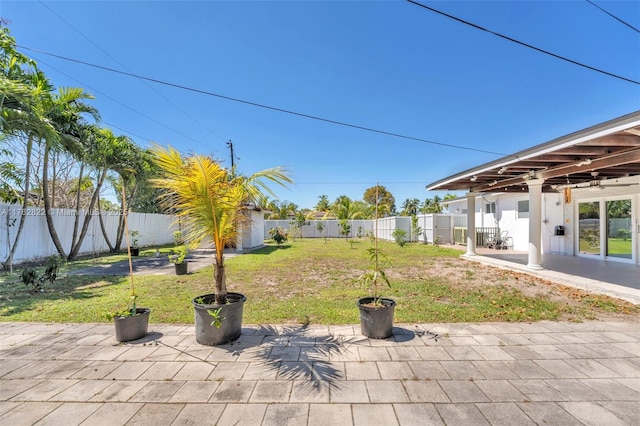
(126, 131)
(272, 108)
(125, 105)
(613, 16)
(546, 52)
(125, 68)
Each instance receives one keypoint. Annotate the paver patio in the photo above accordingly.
(498, 373)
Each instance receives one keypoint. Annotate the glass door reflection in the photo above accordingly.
(619, 227)
(589, 228)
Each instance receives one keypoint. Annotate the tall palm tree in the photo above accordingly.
(107, 152)
(22, 114)
(67, 110)
(210, 200)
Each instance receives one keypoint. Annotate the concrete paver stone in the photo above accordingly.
(497, 374)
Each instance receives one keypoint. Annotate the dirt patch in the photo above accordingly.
(474, 276)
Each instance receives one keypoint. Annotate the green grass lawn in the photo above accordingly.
(312, 281)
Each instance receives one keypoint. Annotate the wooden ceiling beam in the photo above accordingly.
(607, 161)
(614, 140)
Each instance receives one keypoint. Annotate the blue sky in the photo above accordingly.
(387, 65)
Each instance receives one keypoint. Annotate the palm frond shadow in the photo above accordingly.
(296, 354)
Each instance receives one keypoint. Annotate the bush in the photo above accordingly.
(279, 235)
(398, 235)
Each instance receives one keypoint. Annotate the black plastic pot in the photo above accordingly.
(181, 268)
(376, 322)
(135, 251)
(132, 327)
(230, 314)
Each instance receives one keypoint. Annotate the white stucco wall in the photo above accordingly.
(252, 234)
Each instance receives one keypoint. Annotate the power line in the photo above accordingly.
(613, 16)
(546, 52)
(272, 108)
(125, 67)
(125, 106)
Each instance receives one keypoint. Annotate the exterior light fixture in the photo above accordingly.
(493, 183)
(502, 170)
(474, 178)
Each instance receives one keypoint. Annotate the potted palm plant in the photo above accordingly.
(376, 313)
(210, 202)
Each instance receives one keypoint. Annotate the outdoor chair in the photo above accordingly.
(500, 241)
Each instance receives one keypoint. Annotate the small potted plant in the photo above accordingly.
(135, 250)
(178, 258)
(132, 322)
(376, 313)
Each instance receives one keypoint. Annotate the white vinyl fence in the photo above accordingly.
(35, 242)
(431, 225)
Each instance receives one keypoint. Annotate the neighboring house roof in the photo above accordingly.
(607, 151)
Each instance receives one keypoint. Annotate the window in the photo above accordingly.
(523, 209)
(490, 208)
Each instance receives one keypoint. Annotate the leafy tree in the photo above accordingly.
(297, 223)
(345, 228)
(385, 200)
(416, 230)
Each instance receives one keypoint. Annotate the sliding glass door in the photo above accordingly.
(619, 241)
(605, 228)
(589, 228)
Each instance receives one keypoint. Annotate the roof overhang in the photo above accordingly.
(607, 151)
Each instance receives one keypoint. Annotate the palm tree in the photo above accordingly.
(323, 203)
(66, 110)
(345, 208)
(432, 205)
(107, 152)
(210, 200)
(22, 114)
(410, 207)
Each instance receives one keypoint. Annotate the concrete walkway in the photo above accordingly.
(457, 374)
(146, 265)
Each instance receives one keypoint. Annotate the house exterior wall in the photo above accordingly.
(555, 212)
(602, 195)
(506, 217)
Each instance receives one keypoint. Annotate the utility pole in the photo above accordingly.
(230, 145)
